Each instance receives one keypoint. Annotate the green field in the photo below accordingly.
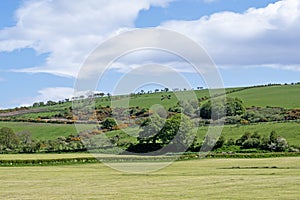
(42, 131)
(274, 178)
(44, 156)
(148, 100)
(289, 130)
(285, 96)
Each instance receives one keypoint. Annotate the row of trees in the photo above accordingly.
(22, 142)
(174, 135)
(255, 141)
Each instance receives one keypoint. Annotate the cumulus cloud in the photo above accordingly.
(69, 30)
(258, 37)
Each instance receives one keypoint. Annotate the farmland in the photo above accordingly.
(284, 96)
(196, 179)
(43, 131)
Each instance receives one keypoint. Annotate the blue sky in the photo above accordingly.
(43, 44)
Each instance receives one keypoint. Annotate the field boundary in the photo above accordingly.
(125, 159)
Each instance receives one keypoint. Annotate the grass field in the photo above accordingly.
(285, 96)
(148, 100)
(274, 178)
(289, 130)
(43, 131)
(44, 156)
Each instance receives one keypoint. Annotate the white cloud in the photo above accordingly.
(69, 30)
(260, 37)
(46, 94)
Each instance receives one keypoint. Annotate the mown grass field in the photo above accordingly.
(44, 156)
(274, 178)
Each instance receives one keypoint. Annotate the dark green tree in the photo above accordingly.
(151, 129)
(109, 123)
(222, 106)
(273, 136)
(221, 141)
(178, 130)
(8, 138)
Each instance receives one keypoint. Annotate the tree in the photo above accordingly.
(251, 143)
(244, 137)
(221, 141)
(282, 144)
(151, 129)
(273, 136)
(277, 143)
(178, 131)
(24, 137)
(222, 106)
(51, 103)
(8, 138)
(36, 105)
(109, 123)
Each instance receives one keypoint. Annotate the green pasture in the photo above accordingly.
(289, 130)
(42, 131)
(285, 96)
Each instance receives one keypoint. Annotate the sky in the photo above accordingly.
(44, 44)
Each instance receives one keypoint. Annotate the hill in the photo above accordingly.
(284, 96)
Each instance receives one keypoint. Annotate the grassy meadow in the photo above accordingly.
(272, 178)
(41, 131)
(289, 130)
(285, 96)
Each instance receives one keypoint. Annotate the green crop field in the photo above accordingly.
(273, 178)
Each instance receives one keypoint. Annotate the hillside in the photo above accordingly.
(284, 96)
(49, 127)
